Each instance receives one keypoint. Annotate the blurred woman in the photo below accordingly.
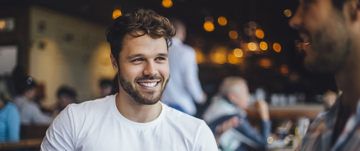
(9, 121)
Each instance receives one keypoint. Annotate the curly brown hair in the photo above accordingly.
(137, 24)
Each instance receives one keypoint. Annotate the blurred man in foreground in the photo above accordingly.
(134, 119)
(228, 111)
(331, 29)
(184, 86)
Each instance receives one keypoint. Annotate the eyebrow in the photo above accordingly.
(134, 56)
(163, 54)
(139, 55)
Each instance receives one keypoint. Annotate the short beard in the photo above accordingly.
(331, 47)
(136, 95)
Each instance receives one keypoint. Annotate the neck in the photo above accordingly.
(348, 80)
(136, 112)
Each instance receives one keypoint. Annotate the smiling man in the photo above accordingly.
(331, 29)
(134, 119)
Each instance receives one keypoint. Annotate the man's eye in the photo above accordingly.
(137, 60)
(160, 58)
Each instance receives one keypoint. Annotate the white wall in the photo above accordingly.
(8, 55)
(80, 63)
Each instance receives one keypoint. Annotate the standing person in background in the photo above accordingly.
(184, 86)
(9, 121)
(227, 110)
(331, 31)
(105, 87)
(134, 119)
(30, 112)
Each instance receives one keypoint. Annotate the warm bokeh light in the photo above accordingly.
(287, 13)
(284, 69)
(259, 33)
(167, 3)
(232, 58)
(252, 46)
(116, 13)
(238, 52)
(277, 47)
(270, 140)
(209, 26)
(2, 24)
(219, 55)
(200, 58)
(220, 58)
(233, 34)
(263, 45)
(222, 21)
(265, 63)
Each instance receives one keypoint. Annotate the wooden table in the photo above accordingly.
(27, 143)
(291, 112)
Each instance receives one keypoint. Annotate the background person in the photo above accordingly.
(105, 87)
(30, 112)
(184, 86)
(9, 121)
(229, 108)
(331, 31)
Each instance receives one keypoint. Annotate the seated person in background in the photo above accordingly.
(105, 87)
(65, 95)
(230, 105)
(30, 112)
(9, 121)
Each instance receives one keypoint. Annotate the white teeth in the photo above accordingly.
(148, 84)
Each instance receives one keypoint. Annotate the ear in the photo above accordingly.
(114, 63)
(230, 96)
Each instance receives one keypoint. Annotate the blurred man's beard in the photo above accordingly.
(146, 99)
(331, 47)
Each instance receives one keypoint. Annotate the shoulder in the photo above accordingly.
(89, 107)
(184, 121)
(191, 129)
(11, 106)
(11, 109)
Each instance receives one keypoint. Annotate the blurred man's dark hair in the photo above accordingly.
(339, 4)
(66, 90)
(105, 83)
(25, 84)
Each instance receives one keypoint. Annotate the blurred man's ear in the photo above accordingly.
(352, 7)
(114, 63)
(231, 97)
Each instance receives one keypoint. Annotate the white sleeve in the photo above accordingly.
(60, 136)
(37, 117)
(205, 140)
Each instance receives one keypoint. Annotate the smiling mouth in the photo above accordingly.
(148, 84)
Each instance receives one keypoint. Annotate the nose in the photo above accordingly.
(296, 21)
(150, 69)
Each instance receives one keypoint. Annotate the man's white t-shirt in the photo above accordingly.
(98, 126)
